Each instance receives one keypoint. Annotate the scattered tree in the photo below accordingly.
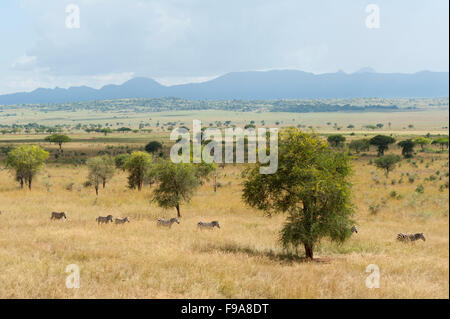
(26, 161)
(311, 185)
(59, 139)
(442, 141)
(407, 148)
(336, 140)
(101, 170)
(137, 164)
(153, 147)
(177, 184)
(422, 141)
(360, 145)
(387, 162)
(382, 143)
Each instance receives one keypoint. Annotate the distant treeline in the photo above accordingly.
(305, 108)
(145, 105)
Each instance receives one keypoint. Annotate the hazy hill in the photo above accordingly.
(277, 84)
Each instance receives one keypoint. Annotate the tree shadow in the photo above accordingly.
(285, 257)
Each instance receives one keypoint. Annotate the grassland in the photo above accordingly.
(241, 260)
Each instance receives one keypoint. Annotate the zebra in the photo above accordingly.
(56, 215)
(167, 223)
(211, 225)
(104, 220)
(354, 229)
(122, 220)
(410, 237)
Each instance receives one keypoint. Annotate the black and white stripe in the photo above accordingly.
(410, 237)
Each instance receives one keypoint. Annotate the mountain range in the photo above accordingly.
(276, 84)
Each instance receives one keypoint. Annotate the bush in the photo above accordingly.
(420, 189)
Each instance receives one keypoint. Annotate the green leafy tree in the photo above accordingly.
(382, 143)
(59, 139)
(26, 161)
(360, 145)
(336, 140)
(120, 161)
(387, 162)
(137, 164)
(407, 148)
(106, 131)
(422, 141)
(101, 170)
(311, 185)
(153, 147)
(176, 184)
(442, 141)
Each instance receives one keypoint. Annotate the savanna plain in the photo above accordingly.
(242, 259)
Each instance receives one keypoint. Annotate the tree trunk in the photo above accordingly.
(309, 251)
(215, 183)
(29, 183)
(21, 183)
(96, 190)
(178, 210)
(104, 183)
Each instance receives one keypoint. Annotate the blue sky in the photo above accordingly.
(175, 41)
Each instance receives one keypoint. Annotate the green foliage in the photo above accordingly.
(153, 146)
(407, 148)
(336, 140)
(311, 185)
(138, 165)
(442, 141)
(360, 145)
(101, 170)
(26, 161)
(420, 189)
(176, 184)
(120, 161)
(387, 162)
(382, 143)
(422, 141)
(59, 139)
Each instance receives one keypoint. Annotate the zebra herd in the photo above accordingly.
(402, 237)
(160, 222)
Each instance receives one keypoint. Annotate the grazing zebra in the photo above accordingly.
(167, 223)
(410, 237)
(56, 215)
(104, 220)
(122, 220)
(354, 229)
(211, 225)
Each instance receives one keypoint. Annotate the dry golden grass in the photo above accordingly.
(241, 260)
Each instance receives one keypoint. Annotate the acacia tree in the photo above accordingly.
(442, 141)
(407, 148)
(387, 162)
(359, 145)
(382, 143)
(177, 184)
(311, 185)
(101, 170)
(422, 141)
(26, 161)
(336, 140)
(153, 146)
(138, 165)
(59, 139)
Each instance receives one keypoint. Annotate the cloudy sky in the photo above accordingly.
(178, 41)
